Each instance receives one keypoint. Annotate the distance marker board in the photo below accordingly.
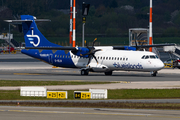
(82, 95)
(57, 94)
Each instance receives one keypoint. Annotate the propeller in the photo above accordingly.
(91, 52)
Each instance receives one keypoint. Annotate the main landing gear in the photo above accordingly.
(108, 73)
(153, 73)
(84, 72)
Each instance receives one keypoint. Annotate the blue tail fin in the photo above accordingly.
(33, 37)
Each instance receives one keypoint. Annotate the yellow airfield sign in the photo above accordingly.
(62, 95)
(51, 94)
(82, 95)
(57, 94)
(85, 95)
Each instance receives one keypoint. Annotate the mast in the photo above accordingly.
(74, 23)
(70, 29)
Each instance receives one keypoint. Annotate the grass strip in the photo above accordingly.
(143, 93)
(112, 94)
(45, 83)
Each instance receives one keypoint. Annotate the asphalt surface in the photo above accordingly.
(38, 71)
(22, 67)
(96, 101)
(13, 70)
(56, 113)
(43, 71)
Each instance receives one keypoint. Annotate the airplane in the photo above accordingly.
(88, 59)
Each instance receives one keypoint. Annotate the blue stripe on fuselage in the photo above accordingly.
(59, 58)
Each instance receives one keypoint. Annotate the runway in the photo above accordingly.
(22, 67)
(56, 113)
(12, 68)
(43, 71)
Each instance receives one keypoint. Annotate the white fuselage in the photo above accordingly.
(110, 60)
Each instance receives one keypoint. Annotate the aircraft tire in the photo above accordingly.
(154, 73)
(108, 73)
(84, 72)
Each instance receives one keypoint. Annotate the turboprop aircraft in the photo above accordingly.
(88, 59)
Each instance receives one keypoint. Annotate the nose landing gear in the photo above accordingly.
(154, 73)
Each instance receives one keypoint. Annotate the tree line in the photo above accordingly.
(106, 17)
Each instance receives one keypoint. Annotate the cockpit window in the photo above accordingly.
(143, 57)
(147, 57)
(152, 57)
(156, 56)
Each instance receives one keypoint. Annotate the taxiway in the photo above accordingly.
(56, 113)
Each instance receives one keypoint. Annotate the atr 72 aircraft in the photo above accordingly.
(95, 59)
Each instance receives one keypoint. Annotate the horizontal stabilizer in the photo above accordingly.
(52, 48)
(37, 20)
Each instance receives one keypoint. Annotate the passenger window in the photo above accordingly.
(112, 58)
(103, 58)
(126, 59)
(106, 58)
(117, 58)
(121, 59)
(147, 57)
(98, 57)
(109, 58)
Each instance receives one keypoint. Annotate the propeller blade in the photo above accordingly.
(94, 42)
(95, 58)
(91, 52)
(97, 50)
(90, 57)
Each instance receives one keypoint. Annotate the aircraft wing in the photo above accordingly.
(141, 46)
(154, 45)
(114, 47)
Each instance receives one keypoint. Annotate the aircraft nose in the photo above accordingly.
(160, 65)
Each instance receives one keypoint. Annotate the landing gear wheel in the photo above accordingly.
(84, 72)
(108, 73)
(154, 73)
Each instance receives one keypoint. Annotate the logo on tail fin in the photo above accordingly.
(34, 39)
